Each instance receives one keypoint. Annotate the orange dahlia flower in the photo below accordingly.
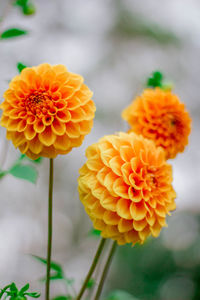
(126, 187)
(47, 111)
(160, 116)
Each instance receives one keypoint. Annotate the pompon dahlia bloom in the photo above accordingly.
(160, 116)
(126, 187)
(47, 111)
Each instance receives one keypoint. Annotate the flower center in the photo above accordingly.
(39, 103)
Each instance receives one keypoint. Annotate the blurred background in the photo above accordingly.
(115, 45)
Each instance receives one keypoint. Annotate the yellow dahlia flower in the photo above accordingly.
(126, 187)
(160, 116)
(47, 111)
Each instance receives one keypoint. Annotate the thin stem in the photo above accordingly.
(50, 219)
(92, 268)
(105, 270)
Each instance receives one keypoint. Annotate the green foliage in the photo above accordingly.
(57, 273)
(22, 171)
(120, 295)
(149, 267)
(26, 172)
(12, 291)
(157, 80)
(20, 66)
(90, 283)
(37, 161)
(57, 269)
(133, 25)
(12, 32)
(26, 6)
(63, 298)
(94, 232)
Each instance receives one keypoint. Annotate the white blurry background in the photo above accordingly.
(115, 45)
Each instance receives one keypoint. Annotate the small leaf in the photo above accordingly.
(56, 276)
(21, 3)
(26, 172)
(33, 295)
(2, 173)
(68, 297)
(13, 287)
(20, 67)
(54, 266)
(29, 9)
(37, 161)
(90, 283)
(94, 232)
(13, 32)
(24, 288)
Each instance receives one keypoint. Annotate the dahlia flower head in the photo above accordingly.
(159, 115)
(47, 111)
(126, 187)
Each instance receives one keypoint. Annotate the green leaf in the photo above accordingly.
(54, 266)
(29, 9)
(13, 287)
(94, 232)
(68, 297)
(33, 295)
(120, 295)
(13, 32)
(26, 172)
(24, 288)
(37, 161)
(56, 276)
(2, 291)
(21, 3)
(155, 80)
(20, 67)
(90, 283)
(3, 173)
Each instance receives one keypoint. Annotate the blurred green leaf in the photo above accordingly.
(68, 297)
(13, 287)
(155, 80)
(120, 295)
(90, 283)
(37, 161)
(3, 173)
(33, 295)
(24, 288)
(21, 3)
(29, 10)
(26, 172)
(20, 66)
(13, 32)
(54, 266)
(94, 232)
(133, 25)
(56, 276)
(26, 6)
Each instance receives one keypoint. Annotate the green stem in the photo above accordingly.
(105, 270)
(49, 245)
(92, 268)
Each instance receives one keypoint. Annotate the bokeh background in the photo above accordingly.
(115, 45)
